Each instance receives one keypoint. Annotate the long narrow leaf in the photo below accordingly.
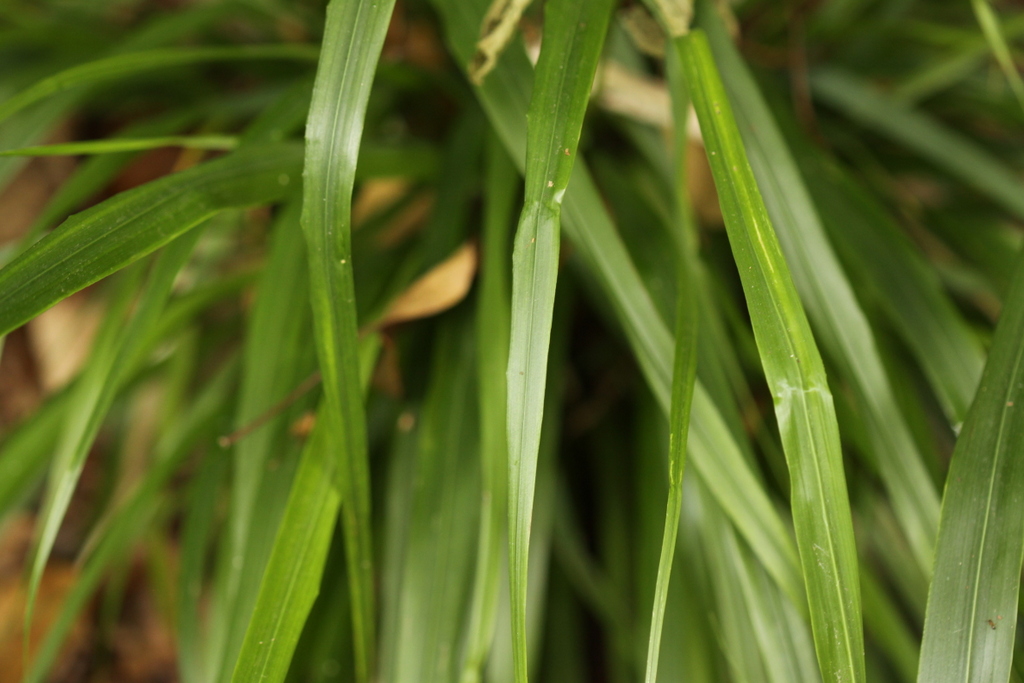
(842, 328)
(292, 577)
(684, 372)
(98, 241)
(194, 426)
(439, 553)
(95, 393)
(276, 359)
(908, 291)
(493, 316)
(353, 37)
(972, 605)
(574, 32)
(134, 63)
(116, 145)
(796, 375)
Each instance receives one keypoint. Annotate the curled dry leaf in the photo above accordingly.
(495, 33)
(438, 290)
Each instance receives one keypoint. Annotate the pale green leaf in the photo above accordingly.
(574, 32)
(796, 376)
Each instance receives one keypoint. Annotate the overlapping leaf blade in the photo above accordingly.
(439, 558)
(295, 567)
(841, 325)
(196, 425)
(98, 241)
(94, 394)
(713, 452)
(276, 360)
(291, 580)
(796, 376)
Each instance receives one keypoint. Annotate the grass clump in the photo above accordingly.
(344, 418)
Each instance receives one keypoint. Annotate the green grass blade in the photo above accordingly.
(492, 332)
(684, 373)
(353, 38)
(713, 452)
(972, 605)
(114, 67)
(574, 32)
(501, 666)
(990, 26)
(96, 391)
(34, 123)
(116, 145)
(195, 426)
(945, 72)
(292, 578)
(94, 173)
(841, 326)
(98, 241)
(293, 573)
(197, 528)
(441, 537)
(397, 522)
(276, 359)
(886, 625)
(905, 286)
(796, 376)
(957, 155)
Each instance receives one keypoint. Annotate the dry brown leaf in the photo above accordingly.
(303, 425)
(61, 338)
(376, 195)
(438, 290)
